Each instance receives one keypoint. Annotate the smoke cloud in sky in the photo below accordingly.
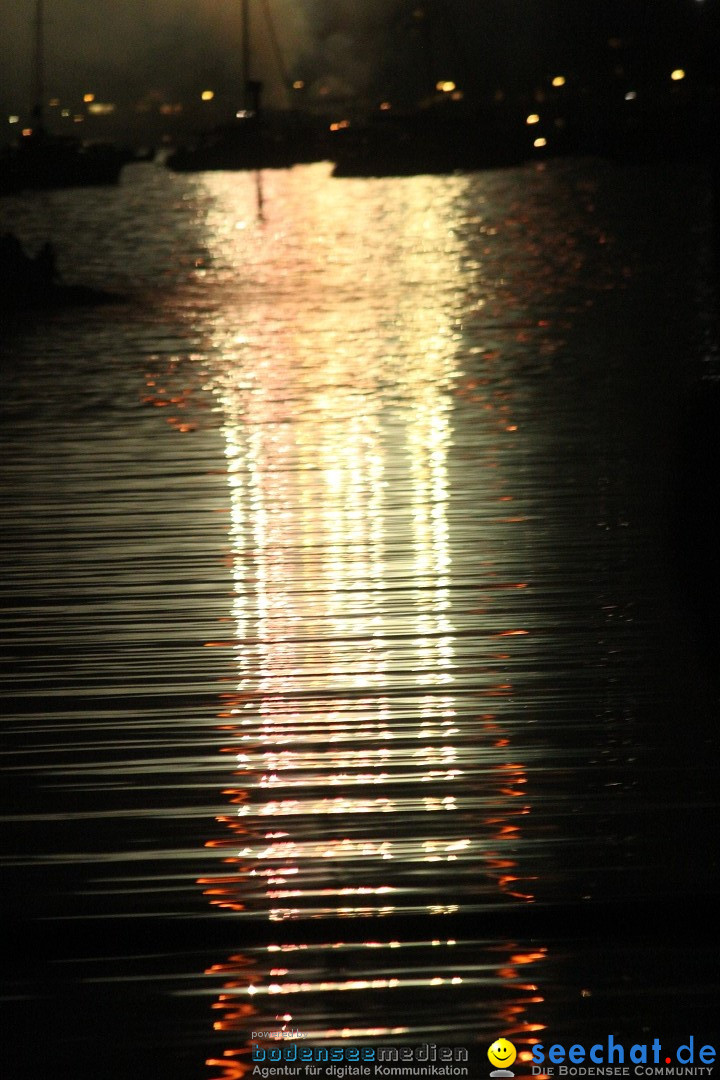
(124, 49)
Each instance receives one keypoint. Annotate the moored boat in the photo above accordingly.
(253, 138)
(40, 159)
(251, 142)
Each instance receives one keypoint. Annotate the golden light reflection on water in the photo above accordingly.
(343, 722)
(547, 748)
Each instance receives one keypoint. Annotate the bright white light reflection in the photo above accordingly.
(312, 442)
(337, 419)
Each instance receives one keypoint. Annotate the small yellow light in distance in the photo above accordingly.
(677, 74)
(533, 118)
(13, 119)
(298, 85)
(445, 87)
(78, 119)
(385, 105)
(88, 97)
(54, 102)
(101, 108)
(540, 142)
(207, 95)
(339, 125)
(27, 132)
(65, 112)
(559, 80)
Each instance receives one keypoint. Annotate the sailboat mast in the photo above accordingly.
(245, 15)
(39, 87)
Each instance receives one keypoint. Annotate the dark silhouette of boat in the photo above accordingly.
(43, 161)
(28, 281)
(254, 139)
(9, 181)
(426, 141)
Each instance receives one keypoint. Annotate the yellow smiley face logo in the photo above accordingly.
(502, 1054)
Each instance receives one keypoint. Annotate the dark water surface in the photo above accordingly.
(356, 676)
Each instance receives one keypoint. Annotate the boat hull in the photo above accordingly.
(251, 145)
(46, 166)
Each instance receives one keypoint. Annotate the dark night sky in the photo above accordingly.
(126, 49)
